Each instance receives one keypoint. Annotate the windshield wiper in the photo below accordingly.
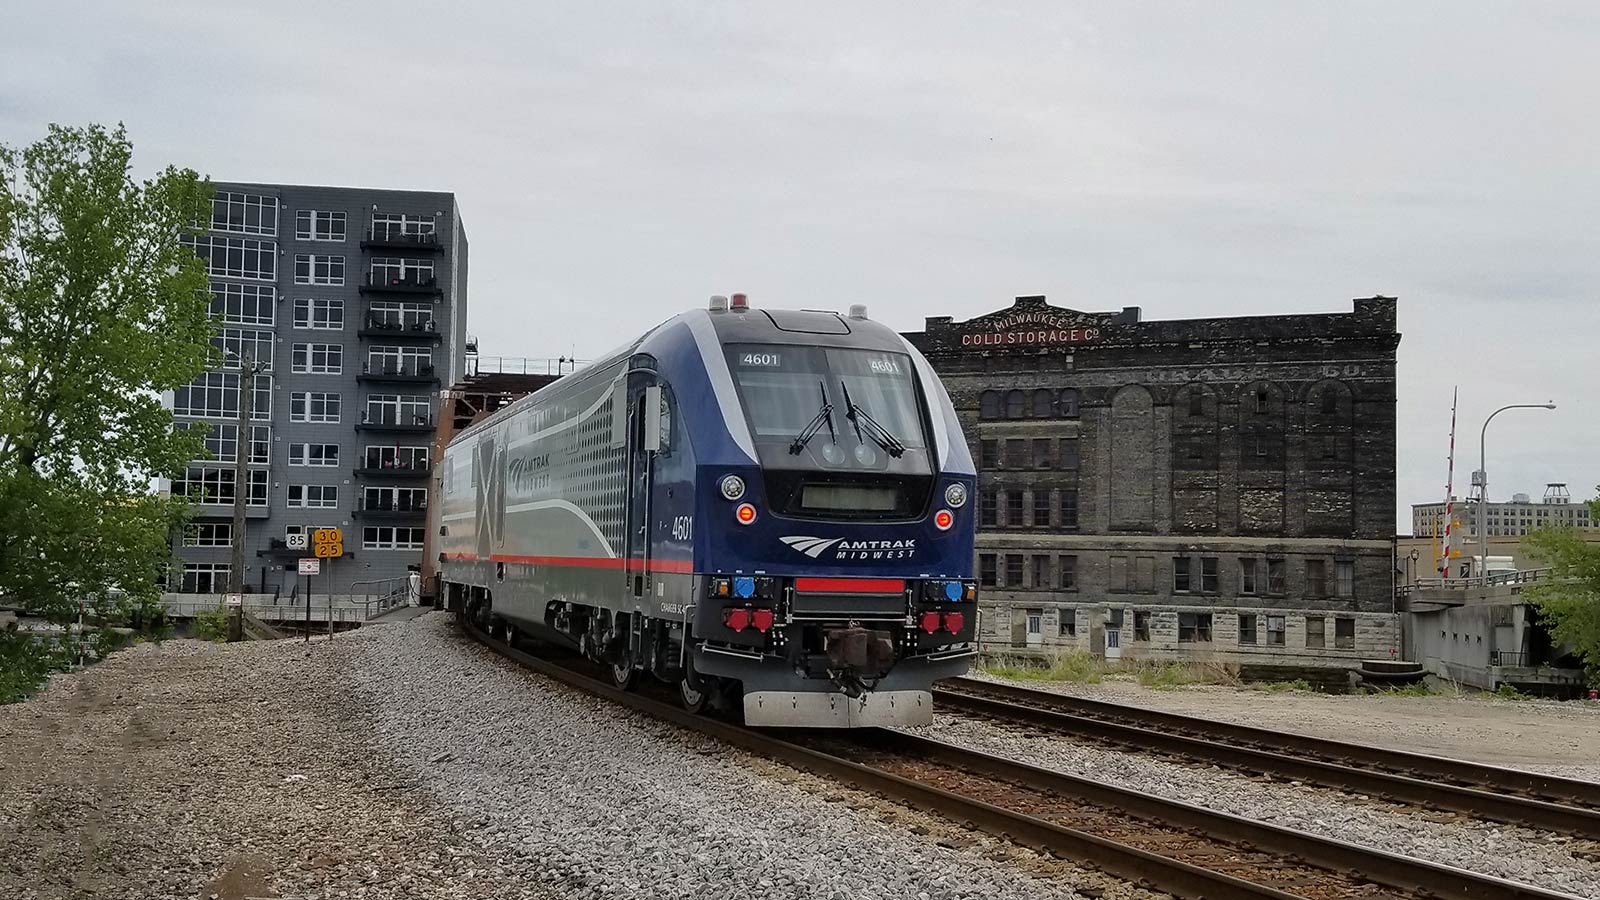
(824, 415)
(879, 434)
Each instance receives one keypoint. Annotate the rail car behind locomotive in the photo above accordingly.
(768, 508)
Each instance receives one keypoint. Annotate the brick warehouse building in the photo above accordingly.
(1212, 489)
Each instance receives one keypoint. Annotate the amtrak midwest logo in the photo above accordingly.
(843, 549)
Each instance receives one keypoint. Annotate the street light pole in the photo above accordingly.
(248, 368)
(1483, 485)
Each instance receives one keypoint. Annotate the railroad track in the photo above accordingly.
(1486, 792)
(1178, 848)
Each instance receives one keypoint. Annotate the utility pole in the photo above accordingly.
(241, 468)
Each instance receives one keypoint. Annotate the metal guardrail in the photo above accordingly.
(1510, 658)
(1493, 579)
(381, 594)
(289, 611)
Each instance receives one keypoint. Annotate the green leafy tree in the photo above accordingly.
(1570, 602)
(102, 307)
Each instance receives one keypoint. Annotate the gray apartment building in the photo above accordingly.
(353, 301)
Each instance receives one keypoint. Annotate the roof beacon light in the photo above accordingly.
(719, 303)
(858, 310)
(739, 303)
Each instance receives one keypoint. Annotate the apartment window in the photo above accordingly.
(1044, 404)
(988, 453)
(988, 570)
(1180, 574)
(244, 213)
(205, 578)
(244, 304)
(313, 496)
(318, 359)
(400, 360)
(1197, 404)
(1344, 633)
(1194, 628)
(1247, 628)
(1016, 453)
(1067, 624)
(1344, 578)
(314, 455)
(388, 226)
(1041, 571)
(1330, 402)
(214, 484)
(1014, 509)
(1041, 453)
(318, 268)
(1316, 638)
(208, 534)
(1013, 570)
(236, 257)
(1263, 400)
(317, 225)
(400, 315)
(988, 508)
(1141, 625)
(1041, 508)
(1016, 404)
(403, 499)
(1069, 509)
(387, 538)
(1277, 576)
(1247, 576)
(222, 442)
(235, 342)
(1275, 630)
(1069, 453)
(1067, 404)
(314, 406)
(1316, 578)
(215, 395)
(1069, 572)
(395, 270)
(989, 405)
(396, 458)
(1208, 575)
(318, 313)
(398, 409)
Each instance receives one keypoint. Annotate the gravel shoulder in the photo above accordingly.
(197, 770)
(1548, 736)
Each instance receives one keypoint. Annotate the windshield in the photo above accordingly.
(784, 388)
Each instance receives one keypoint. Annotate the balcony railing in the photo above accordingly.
(398, 372)
(395, 507)
(401, 282)
(387, 329)
(1509, 658)
(394, 422)
(392, 469)
(391, 238)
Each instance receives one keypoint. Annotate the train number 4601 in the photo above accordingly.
(682, 528)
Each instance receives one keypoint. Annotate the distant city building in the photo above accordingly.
(354, 300)
(1218, 489)
(1519, 516)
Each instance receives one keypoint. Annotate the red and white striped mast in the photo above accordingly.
(1449, 491)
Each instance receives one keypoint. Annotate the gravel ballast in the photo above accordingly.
(601, 802)
(1532, 857)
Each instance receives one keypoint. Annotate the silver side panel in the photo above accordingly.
(807, 709)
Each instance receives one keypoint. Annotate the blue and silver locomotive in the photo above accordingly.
(768, 508)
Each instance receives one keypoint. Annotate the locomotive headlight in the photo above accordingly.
(732, 487)
(956, 495)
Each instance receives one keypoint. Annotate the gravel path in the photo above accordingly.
(600, 802)
(1536, 735)
(1532, 857)
(195, 770)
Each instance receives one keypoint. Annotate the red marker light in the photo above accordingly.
(745, 513)
(929, 622)
(942, 520)
(953, 622)
(761, 620)
(737, 619)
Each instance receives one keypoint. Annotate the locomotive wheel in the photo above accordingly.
(623, 674)
(694, 699)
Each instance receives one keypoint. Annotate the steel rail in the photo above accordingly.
(1504, 781)
(1416, 877)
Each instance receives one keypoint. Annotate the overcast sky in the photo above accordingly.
(616, 163)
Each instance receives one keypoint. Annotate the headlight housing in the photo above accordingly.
(956, 494)
(732, 487)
